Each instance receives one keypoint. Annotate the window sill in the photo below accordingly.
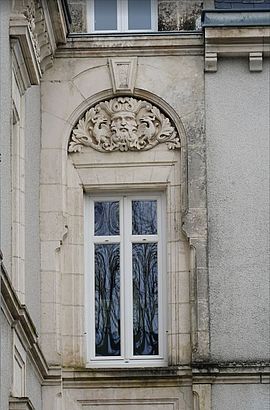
(131, 364)
(144, 44)
(131, 377)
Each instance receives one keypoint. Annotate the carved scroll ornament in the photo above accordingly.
(123, 124)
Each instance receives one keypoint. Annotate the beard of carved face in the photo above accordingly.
(123, 127)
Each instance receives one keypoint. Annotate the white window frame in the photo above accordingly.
(126, 359)
(122, 18)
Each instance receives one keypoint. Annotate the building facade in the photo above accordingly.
(134, 204)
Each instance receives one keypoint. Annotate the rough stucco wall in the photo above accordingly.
(179, 15)
(5, 108)
(237, 129)
(240, 397)
(6, 362)
(32, 165)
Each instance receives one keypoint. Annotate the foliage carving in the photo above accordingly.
(123, 124)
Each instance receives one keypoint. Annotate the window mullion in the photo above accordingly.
(122, 279)
(90, 16)
(124, 15)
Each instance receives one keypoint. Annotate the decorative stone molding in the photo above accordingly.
(123, 124)
(202, 396)
(250, 42)
(211, 62)
(20, 403)
(38, 27)
(123, 45)
(21, 38)
(18, 317)
(21, 68)
(255, 61)
(123, 74)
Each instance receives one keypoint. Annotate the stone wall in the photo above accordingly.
(173, 15)
(32, 166)
(6, 361)
(5, 143)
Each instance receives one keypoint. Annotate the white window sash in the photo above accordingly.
(126, 286)
(122, 18)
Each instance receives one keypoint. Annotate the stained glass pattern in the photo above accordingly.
(107, 299)
(145, 299)
(106, 218)
(144, 217)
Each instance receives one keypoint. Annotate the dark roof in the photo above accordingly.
(242, 4)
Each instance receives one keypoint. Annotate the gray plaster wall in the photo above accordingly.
(241, 397)
(5, 109)
(32, 166)
(237, 130)
(6, 362)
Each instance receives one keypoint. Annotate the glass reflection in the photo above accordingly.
(105, 14)
(107, 299)
(139, 14)
(145, 299)
(144, 217)
(106, 218)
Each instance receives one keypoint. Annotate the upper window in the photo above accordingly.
(122, 15)
(125, 268)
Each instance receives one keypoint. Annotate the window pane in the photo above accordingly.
(139, 14)
(105, 14)
(145, 299)
(144, 217)
(106, 218)
(107, 299)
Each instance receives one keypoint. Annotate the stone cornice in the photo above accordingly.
(243, 373)
(38, 26)
(257, 373)
(22, 44)
(118, 45)
(251, 42)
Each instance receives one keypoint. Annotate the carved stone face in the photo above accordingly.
(123, 126)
